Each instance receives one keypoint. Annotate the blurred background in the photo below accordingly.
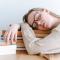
(12, 11)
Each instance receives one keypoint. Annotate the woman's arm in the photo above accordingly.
(29, 39)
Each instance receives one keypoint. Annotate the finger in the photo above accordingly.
(8, 37)
(16, 37)
(12, 38)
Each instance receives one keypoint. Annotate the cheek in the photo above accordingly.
(30, 21)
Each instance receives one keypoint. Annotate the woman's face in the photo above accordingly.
(35, 18)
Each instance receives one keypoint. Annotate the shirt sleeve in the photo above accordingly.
(29, 39)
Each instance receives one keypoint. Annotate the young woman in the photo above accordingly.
(42, 19)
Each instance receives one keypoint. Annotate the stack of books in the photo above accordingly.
(39, 34)
(20, 43)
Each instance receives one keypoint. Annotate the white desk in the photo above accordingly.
(8, 57)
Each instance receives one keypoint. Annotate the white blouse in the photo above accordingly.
(47, 45)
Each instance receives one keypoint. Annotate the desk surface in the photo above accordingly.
(21, 56)
(16, 56)
(8, 57)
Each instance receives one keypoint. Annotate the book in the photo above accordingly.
(38, 33)
(19, 37)
(4, 48)
(19, 33)
(42, 31)
(7, 49)
(41, 35)
(21, 48)
(20, 43)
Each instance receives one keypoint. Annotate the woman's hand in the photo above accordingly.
(11, 35)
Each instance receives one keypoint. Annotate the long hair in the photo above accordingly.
(25, 17)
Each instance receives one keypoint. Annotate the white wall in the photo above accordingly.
(11, 11)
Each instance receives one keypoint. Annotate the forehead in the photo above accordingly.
(31, 14)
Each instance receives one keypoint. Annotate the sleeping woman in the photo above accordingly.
(42, 19)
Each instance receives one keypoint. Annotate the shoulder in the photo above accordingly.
(25, 25)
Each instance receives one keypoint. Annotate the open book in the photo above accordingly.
(7, 49)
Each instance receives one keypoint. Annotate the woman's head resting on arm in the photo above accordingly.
(31, 16)
(40, 18)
